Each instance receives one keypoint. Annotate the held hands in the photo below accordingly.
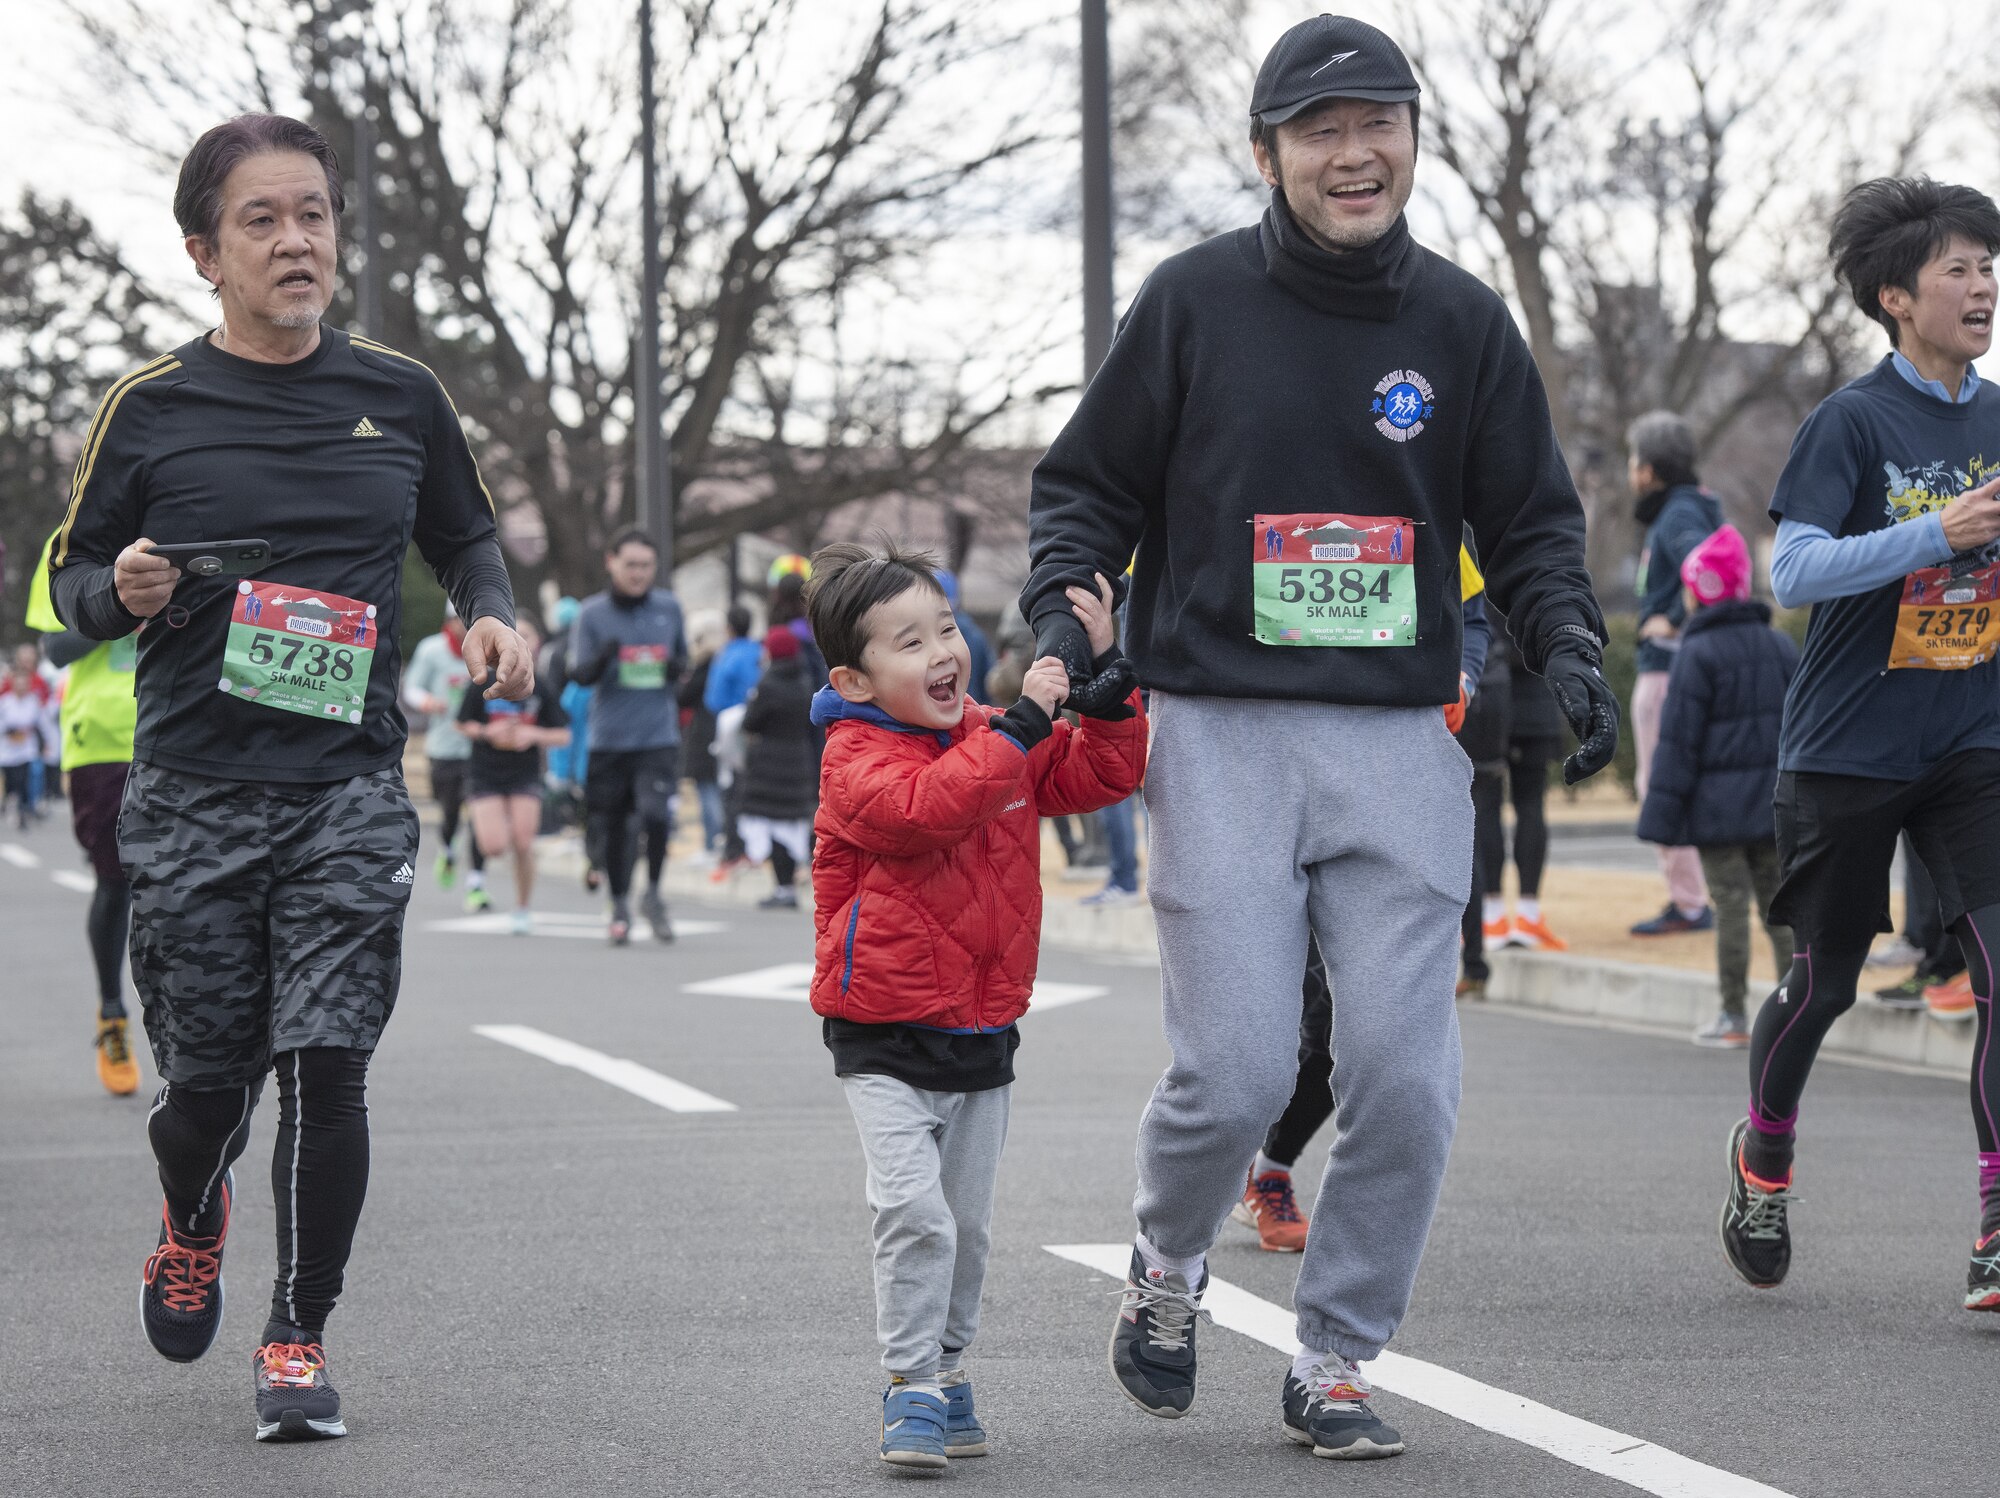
(497, 657)
(144, 582)
(1046, 684)
(1094, 610)
(1973, 519)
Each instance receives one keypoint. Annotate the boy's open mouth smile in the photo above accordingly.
(944, 690)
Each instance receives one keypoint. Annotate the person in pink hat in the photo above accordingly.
(1715, 772)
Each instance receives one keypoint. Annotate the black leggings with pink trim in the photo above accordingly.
(1817, 990)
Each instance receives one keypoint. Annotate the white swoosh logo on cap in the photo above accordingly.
(1337, 57)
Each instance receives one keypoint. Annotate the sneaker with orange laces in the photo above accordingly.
(1951, 1000)
(1535, 934)
(296, 1399)
(1269, 1206)
(115, 1067)
(180, 1299)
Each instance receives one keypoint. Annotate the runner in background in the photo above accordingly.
(504, 783)
(98, 714)
(628, 647)
(434, 685)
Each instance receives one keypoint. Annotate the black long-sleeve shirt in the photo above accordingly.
(340, 461)
(1235, 388)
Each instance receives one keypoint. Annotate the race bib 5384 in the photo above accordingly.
(1334, 580)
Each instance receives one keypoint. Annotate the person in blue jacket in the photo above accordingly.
(1715, 771)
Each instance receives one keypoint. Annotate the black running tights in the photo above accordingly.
(1312, 1095)
(784, 867)
(1817, 990)
(319, 1170)
(109, 924)
(1528, 783)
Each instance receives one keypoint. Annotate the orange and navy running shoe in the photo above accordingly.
(1982, 1280)
(296, 1400)
(180, 1299)
(1756, 1238)
(1269, 1206)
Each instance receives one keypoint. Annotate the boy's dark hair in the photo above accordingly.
(1889, 228)
(626, 537)
(739, 621)
(848, 580)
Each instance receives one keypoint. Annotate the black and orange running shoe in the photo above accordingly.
(296, 1400)
(1756, 1236)
(180, 1299)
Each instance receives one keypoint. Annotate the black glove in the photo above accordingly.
(1025, 723)
(1571, 668)
(1104, 695)
(1061, 634)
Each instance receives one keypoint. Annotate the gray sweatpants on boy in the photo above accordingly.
(932, 1159)
(1272, 821)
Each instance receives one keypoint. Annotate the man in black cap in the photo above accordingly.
(1319, 376)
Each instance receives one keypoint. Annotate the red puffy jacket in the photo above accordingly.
(927, 882)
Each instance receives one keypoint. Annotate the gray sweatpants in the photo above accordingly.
(1272, 821)
(932, 1159)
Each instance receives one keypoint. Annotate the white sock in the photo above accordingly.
(1493, 908)
(951, 1378)
(926, 1385)
(476, 879)
(1693, 914)
(1306, 1362)
(1187, 1269)
(1528, 908)
(1265, 1165)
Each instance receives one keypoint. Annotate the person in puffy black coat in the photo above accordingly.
(780, 784)
(1716, 769)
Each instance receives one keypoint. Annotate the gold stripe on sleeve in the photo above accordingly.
(93, 440)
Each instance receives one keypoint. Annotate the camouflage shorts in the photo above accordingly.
(265, 917)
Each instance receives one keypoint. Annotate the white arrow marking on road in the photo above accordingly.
(19, 856)
(83, 884)
(1626, 1459)
(792, 982)
(640, 1081)
(564, 923)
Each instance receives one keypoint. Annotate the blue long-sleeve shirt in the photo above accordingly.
(733, 675)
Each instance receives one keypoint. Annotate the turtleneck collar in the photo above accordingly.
(1368, 283)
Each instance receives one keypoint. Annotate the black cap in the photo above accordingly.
(1330, 57)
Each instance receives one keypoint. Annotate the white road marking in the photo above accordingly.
(640, 1081)
(83, 884)
(18, 856)
(792, 982)
(1626, 1459)
(566, 924)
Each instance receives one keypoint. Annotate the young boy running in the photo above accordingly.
(928, 904)
(1886, 517)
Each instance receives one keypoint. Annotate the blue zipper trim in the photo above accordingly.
(853, 920)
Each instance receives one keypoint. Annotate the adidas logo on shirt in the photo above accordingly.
(406, 874)
(366, 428)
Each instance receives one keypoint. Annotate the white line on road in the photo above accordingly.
(640, 1081)
(792, 982)
(1627, 1459)
(19, 856)
(83, 884)
(564, 923)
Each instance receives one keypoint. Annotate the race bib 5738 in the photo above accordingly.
(299, 651)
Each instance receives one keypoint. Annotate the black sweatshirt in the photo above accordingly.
(339, 460)
(1247, 379)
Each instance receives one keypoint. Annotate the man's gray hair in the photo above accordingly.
(1664, 441)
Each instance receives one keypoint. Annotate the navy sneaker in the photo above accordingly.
(1670, 922)
(963, 1434)
(1152, 1341)
(296, 1400)
(180, 1298)
(913, 1422)
(1329, 1412)
(1756, 1238)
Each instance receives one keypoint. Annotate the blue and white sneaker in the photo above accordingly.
(1329, 1412)
(913, 1422)
(963, 1434)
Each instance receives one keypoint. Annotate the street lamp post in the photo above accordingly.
(653, 462)
(1097, 229)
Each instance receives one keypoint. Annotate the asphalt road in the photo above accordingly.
(563, 1288)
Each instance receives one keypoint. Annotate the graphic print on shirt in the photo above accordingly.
(1948, 618)
(1403, 402)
